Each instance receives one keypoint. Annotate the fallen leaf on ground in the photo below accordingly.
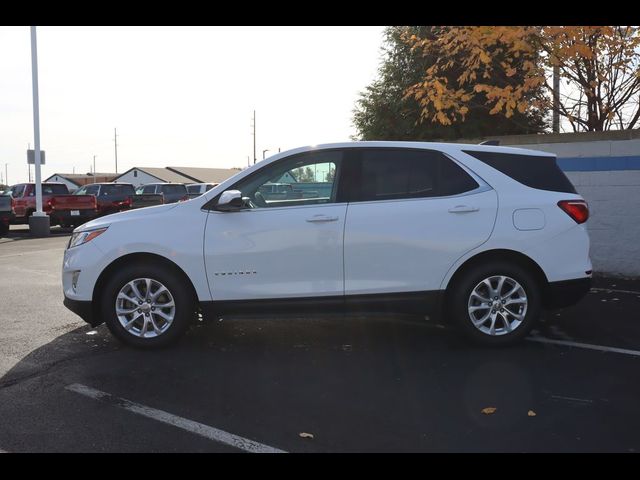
(306, 435)
(531, 413)
(489, 410)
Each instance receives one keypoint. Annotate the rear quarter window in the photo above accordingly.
(534, 171)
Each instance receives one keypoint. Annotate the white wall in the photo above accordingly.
(142, 178)
(601, 148)
(614, 223)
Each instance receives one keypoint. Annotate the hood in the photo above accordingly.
(129, 215)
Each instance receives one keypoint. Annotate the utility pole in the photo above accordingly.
(6, 174)
(28, 164)
(556, 100)
(94, 168)
(254, 137)
(39, 221)
(115, 142)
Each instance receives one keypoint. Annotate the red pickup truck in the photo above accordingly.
(62, 207)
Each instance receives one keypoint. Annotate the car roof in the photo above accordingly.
(107, 183)
(160, 183)
(441, 146)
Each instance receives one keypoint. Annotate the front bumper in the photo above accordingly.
(84, 309)
(566, 293)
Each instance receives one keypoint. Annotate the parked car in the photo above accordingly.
(482, 236)
(72, 210)
(111, 197)
(172, 192)
(6, 213)
(55, 197)
(196, 189)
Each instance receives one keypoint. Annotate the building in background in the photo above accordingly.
(74, 181)
(143, 175)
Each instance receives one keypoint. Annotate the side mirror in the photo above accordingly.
(231, 201)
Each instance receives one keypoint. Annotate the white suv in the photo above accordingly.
(484, 236)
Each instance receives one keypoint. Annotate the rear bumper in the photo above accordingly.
(567, 292)
(64, 216)
(84, 309)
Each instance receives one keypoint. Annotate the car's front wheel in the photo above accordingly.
(495, 304)
(147, 306)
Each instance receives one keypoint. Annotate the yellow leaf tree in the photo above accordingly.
(599, 67)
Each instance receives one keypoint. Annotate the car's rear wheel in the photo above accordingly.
(147, 306)
(495, 304)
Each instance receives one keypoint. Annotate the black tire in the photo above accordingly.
(458, 303)
(4, 229)
(172, 280)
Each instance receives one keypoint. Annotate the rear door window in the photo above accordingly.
(388, 174)
(117, 190)
(147, 189)
(91, 190)
(534, 171)
(54, 189)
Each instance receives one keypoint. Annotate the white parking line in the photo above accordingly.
(588, 346)
(189, 425)
(613, 290)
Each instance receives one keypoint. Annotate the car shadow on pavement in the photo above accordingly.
(16, 234)
(376, 383)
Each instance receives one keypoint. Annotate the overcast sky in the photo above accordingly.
(180, 96)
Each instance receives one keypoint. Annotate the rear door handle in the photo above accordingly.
(463, 209)
(321, 218)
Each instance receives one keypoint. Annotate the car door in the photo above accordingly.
(283, 246)
(413, 214)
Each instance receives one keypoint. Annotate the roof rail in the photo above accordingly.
(490, 142)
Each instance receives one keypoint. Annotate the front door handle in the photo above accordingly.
(463, 209)
(321, 218)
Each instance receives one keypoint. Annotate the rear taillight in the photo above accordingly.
(576, 209)
(51, 204)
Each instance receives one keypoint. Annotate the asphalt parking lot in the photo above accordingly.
(316, 384)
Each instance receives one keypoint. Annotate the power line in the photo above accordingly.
(115, 142)
(254, 137)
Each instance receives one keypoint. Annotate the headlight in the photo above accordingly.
(80, 238)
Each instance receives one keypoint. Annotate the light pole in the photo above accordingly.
(38, 221)
(6, 174)
(263, 152)
(94, 168)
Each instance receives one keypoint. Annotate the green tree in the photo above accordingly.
(330, 175)
(304, 175)
(384, 111)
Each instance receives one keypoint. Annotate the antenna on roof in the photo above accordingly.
(495, 143)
